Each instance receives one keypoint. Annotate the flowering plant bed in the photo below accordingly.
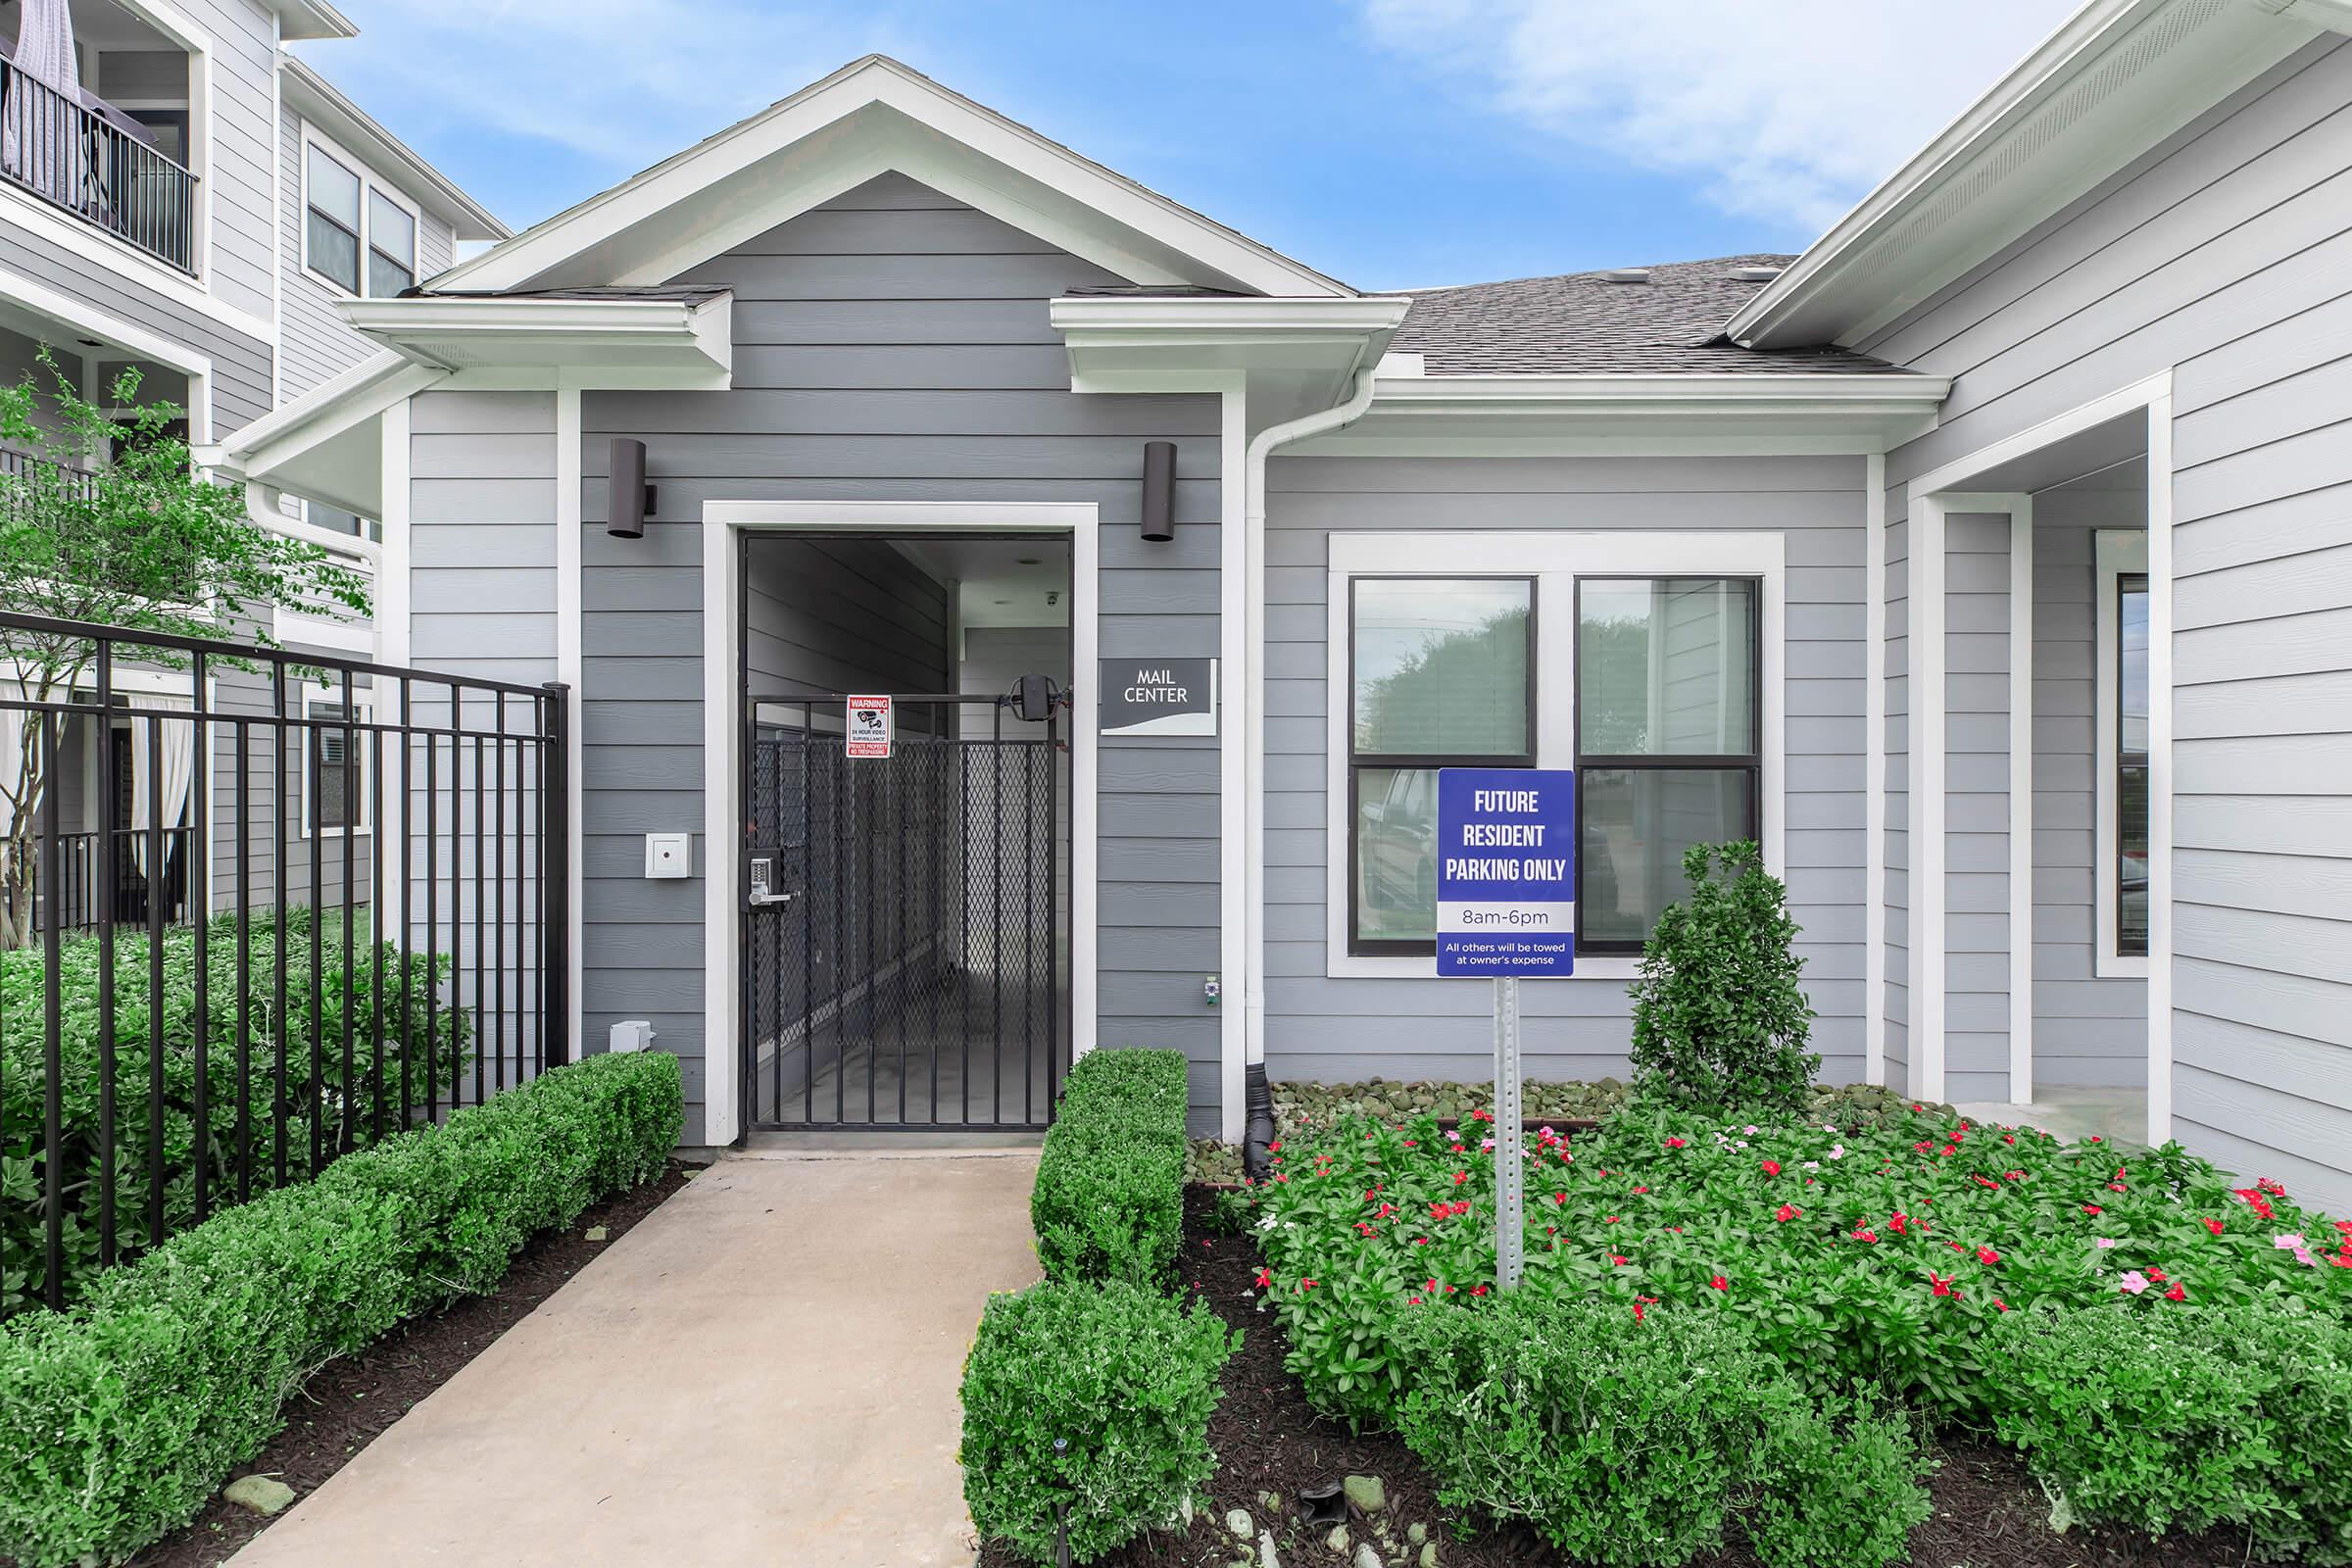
(1872, 1253)
(1271, 1444)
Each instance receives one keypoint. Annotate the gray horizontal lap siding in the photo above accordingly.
(893, 345)
(240, 364)
(1331, 1029)
(2226, 256)
(1976, 823)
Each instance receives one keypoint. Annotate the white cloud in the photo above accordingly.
(1787, 112)
(623, 82)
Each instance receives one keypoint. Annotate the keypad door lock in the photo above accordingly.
(764, 889)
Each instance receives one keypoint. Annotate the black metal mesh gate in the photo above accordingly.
(902, 964)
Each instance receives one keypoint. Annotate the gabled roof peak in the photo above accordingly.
(877, 115)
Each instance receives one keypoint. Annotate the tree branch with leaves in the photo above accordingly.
(105, 521)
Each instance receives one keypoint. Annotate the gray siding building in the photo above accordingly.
(1979, 564)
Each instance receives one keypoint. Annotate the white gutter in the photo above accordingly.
(1253, 757)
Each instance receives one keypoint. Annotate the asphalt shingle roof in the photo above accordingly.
(1582, 322)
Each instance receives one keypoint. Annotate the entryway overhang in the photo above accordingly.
(1292, 353)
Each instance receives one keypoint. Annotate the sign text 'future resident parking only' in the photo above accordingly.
(1507, 872)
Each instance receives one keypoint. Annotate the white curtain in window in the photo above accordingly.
(12, 750)
(169, 766)
(40, 136)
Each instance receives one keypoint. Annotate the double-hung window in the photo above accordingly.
(1669, 752)
(2120, 580)
(356, 236)
(1443, 677)
(1645, 661)
(331, 247)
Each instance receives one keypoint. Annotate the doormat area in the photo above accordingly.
(1989, 1513)
(351, 1401)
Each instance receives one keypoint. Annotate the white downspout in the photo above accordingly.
(1253, 756)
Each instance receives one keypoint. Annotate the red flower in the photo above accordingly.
(1899, 1223)
(1460, 1176)
(1640, 1302)
(1772, 1167)
(1999, 1305)
(1478, 1290)
(1719, 1282)
(1612, 1219)
(2176, 1294)
(1414, 1301)
(2093, 1208)
(1944, 1286)
(1987, 1257)
(1482, 1116)
(1275, 1146)
(2270, 1187)
(2157, 1275)
(1865, 1234)
(1640, 1189)
(1786, 1212)
(1559, 1197)
(1306, 1285)
(1674, 1142)
(1617, 1261)
(2213, 1225)
(1265, 1277)
(1413, 1142)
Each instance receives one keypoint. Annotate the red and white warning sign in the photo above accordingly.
(869, 726)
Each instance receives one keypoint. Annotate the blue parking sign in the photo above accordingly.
(1507, 872)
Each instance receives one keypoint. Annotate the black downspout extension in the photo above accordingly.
(1257, 1135)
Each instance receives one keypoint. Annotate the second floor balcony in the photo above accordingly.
(79, 153)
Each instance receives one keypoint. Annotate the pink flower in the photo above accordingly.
(2134, 1281)
(2103, 1241)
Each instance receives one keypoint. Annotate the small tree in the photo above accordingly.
(104, 519)
(1719, 1018)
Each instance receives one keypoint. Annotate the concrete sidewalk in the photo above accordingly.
(762, 1371)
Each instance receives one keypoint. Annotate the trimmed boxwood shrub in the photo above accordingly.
(2238, 1414)
(23, 1075)
(1123, 1373)
(119, 1419)
(1109, 1201)
(1630, 1440)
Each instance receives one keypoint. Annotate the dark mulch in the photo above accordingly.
(348, 1402)
(1989, 1512)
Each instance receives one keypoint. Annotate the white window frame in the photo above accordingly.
(370, 184)
(362, 707)
(1554, 560)
(2115, 553)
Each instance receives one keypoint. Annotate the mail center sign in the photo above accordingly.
(1507, 872)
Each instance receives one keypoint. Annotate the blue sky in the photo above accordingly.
(1392, 143)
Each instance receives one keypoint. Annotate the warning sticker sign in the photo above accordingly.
(869, 726)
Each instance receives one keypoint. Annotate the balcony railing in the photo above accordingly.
(79, 153)
(82, 884)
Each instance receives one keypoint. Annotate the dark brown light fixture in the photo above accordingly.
(628, 497)
(1160, 491)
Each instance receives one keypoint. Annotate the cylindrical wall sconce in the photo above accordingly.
(1160, 491)
(628, 497)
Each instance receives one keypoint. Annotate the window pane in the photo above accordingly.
(335, 190)
(2131, 768)
(391, 230)
(1635, 826)
(1396, 853)
(1666, 666)
(385, 278)
(334, 253)
(1441, 667)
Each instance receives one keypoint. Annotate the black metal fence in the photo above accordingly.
(136, 890)
(374, 932)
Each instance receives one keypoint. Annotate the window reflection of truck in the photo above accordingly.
(1396, 847)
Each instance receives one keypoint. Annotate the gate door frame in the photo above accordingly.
(727, 524)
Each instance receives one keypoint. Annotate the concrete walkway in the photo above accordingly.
(762, 1371)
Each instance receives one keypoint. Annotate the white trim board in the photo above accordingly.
(724, 521)
(1934, 494)
(1873, 769)
(1554, 559)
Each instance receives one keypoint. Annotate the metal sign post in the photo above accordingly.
(1506, 912)
(1510, 1168)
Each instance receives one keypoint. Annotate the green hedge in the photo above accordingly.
(1633, 1441)
(24, 1076)
(1109, 1201)
(117, 1420)
(2236, 1415)
(1123, 1373)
